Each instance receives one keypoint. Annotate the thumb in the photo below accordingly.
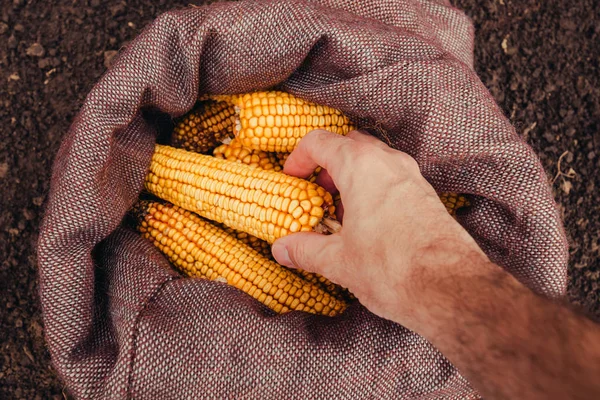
(309, 251)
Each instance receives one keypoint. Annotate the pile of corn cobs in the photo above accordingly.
(224, 200)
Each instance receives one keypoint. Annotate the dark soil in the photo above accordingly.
(538, 58)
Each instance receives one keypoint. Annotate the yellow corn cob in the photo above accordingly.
(265, 204)
(234, 151)
(454, 201)
(276, 121)
(205, 128)
(264, 248)
(199, 249)
(282, 158)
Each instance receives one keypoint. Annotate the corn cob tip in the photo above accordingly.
(209, 124)
(275, 121)
(138, 212)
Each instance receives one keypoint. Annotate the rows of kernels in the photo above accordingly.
(205, 128)
(235, 151)
(265, 204)
(453, 201)
(276, 121)
(320, 280)
(200, 249)
(264, 248)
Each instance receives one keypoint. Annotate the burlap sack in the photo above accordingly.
(120, 324)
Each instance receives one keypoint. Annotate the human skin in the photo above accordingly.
(407, 260)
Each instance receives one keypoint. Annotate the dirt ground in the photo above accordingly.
(538, 58)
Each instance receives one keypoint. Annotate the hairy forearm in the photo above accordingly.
(509, 342)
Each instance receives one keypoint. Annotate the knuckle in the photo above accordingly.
(312, 139)
(356, 133)
(407, 162)
(318, 135)
(319, 139)
(361, 152)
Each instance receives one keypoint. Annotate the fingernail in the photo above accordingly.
(280, 252)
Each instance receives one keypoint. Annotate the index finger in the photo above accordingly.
(319, 148)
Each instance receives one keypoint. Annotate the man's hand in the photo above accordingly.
(395, 233)
(407, 260)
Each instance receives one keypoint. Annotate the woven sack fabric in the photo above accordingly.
(121, 324)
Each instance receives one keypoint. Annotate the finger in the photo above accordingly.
(324, 180)
(319, 148)
(362, 136)
(309, 251)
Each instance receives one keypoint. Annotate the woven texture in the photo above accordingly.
(120, 324)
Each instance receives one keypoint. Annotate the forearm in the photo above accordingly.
(507, 341)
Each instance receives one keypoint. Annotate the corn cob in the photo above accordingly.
(205, 128)
(265, 204)
(264, 248)
(276, 121)
(199, 249)
(453, 201)
(234, 151)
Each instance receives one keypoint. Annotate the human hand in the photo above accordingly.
(396, 234)
(406, 259)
